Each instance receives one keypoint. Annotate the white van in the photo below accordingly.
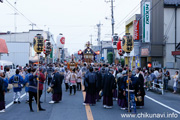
(4, 64)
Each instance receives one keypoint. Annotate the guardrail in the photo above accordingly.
(158, 87)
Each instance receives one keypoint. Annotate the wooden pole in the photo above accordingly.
(128, 86)
(45, 80)
(38, 87)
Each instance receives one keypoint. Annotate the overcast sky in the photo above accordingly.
(76, 19)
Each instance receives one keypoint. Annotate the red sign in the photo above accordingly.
(136, 30)
(175, 52)
(62, 40)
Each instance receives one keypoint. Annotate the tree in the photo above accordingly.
(122, 62)
(110, 57)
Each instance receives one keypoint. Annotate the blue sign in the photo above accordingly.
(102, 58)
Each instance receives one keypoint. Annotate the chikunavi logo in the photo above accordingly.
(147, 13)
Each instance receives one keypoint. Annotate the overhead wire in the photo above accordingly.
(14, 8)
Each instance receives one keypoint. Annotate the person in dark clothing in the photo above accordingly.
(132, 85)
(50, 71)
(2, 95)
(122, 91)
(98, 84)
(33, 90)
(108, 87)
(90, 80)
(139, 90)
(57, 87)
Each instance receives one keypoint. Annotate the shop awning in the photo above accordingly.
(3, 46)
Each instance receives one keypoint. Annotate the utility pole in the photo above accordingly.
(112, 14)
(91, 38)
(99, 33)
(15, 13)
(33, 25)
(112, 22)
(99, 37)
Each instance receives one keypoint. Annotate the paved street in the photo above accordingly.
(71, 108)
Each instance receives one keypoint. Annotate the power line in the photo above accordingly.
(20, 13)
(145, 14)
(124, 19)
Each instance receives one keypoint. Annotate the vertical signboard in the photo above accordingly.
(136, 30)
(146, 22)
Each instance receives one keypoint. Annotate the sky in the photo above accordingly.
(76, 19)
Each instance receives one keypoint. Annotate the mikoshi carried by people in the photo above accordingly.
(108, 89)
(57, 86)
(90, 80)
(139, 91)
(17, 81)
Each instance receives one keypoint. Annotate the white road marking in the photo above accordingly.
(162, 104)
(7, 106)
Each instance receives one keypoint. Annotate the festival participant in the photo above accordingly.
(139, 91)
(17, 81)
(166, 78)
(33, 90)
(84, 71)
(41, 82)
(26, 82)
(115, 72)
(108, 87)
(66, 78)
(73, 81)
(90, 79)
(132, 85)
(175, 78)
(98, 84)
(2, 94)
(148, 80)
(79, 79)
(57, 87)
(122, 90)
(50, 72)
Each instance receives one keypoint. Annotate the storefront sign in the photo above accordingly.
(136, 30)
(146, 22)
(144, 52)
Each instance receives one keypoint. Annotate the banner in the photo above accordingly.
(146, 22)
(136, 30)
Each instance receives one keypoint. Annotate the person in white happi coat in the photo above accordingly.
(66, 78)
(73, 81)
(79, 79)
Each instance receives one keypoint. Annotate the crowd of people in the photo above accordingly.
(101, 81)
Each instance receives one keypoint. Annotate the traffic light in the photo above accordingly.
(149, 65)
(97, 52)
(79, 52)
(47, 48)
(115, 39)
